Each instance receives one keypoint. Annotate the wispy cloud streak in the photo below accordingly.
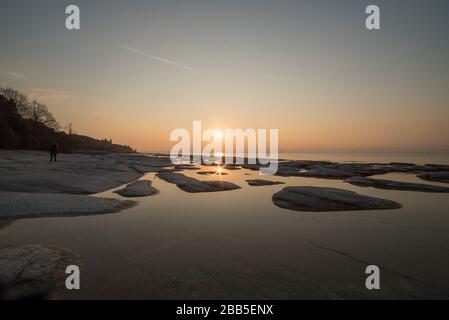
(160, 59)
(49, 96)
(16, 75)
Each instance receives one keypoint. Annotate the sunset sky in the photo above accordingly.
(139, 69)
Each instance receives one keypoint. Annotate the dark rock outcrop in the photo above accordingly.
(141, 188)
(321, 199)
(434, 176)
(261, 182)
(394, 185)
(192, 185)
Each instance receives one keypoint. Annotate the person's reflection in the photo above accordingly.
(5, 222)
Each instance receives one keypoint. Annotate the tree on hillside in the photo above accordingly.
(39, 113)
(31, 126)
(19, 101)
(35, 111)
(69, 129)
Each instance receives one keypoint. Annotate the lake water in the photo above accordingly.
(238, 244)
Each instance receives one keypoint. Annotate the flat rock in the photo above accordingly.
(193, 185)
(435, 167)
(31, 171)
(252, 167)
(149, 168)
(141, 188)
(261, 182)
(287, 171)
(32, 271)
(394, 185)
(334, 170)
(434, 176)
(15, 205)
(206, 173)
(232, 167)
(320, 199)
(327, 174)
(186, 167)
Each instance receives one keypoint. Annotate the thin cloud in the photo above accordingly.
(47, 95)
(160, 59)
(16, 75)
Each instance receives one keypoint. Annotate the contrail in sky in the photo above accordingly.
(173, 63)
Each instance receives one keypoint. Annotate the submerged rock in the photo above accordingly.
(141, 188)
(434, 176)
(189, 184)
(394, 185)
(328, 199)
(32, 271)
(261, 182)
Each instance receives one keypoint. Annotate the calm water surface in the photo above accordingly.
(237, 244)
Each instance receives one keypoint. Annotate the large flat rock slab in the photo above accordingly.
(320, 199)
(31, 171)
(435, 176)
(33, 271)
(325, 173)
(395, 185)
(16, 205)
(193, 185)
(344, 170)
(141, 188)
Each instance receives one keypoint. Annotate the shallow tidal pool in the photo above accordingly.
(239, 245)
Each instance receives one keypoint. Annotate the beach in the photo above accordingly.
(228, 244)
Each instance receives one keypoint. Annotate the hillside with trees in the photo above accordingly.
(29, 125)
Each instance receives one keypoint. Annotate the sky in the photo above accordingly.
(136, 70)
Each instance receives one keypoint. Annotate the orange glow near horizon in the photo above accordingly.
(323, 82)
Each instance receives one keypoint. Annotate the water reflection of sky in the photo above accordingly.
(237, 244)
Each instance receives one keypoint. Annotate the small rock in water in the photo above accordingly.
(205, 173)
(186, 167)
(232, 167)
(141, 188)
(261, 182)
(320, 199)
(394, 185)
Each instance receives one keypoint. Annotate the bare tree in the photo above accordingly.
(39, 114)
(69, 129)
(20, 101)
(35, 111)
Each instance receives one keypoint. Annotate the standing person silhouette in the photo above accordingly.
(53, 151)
